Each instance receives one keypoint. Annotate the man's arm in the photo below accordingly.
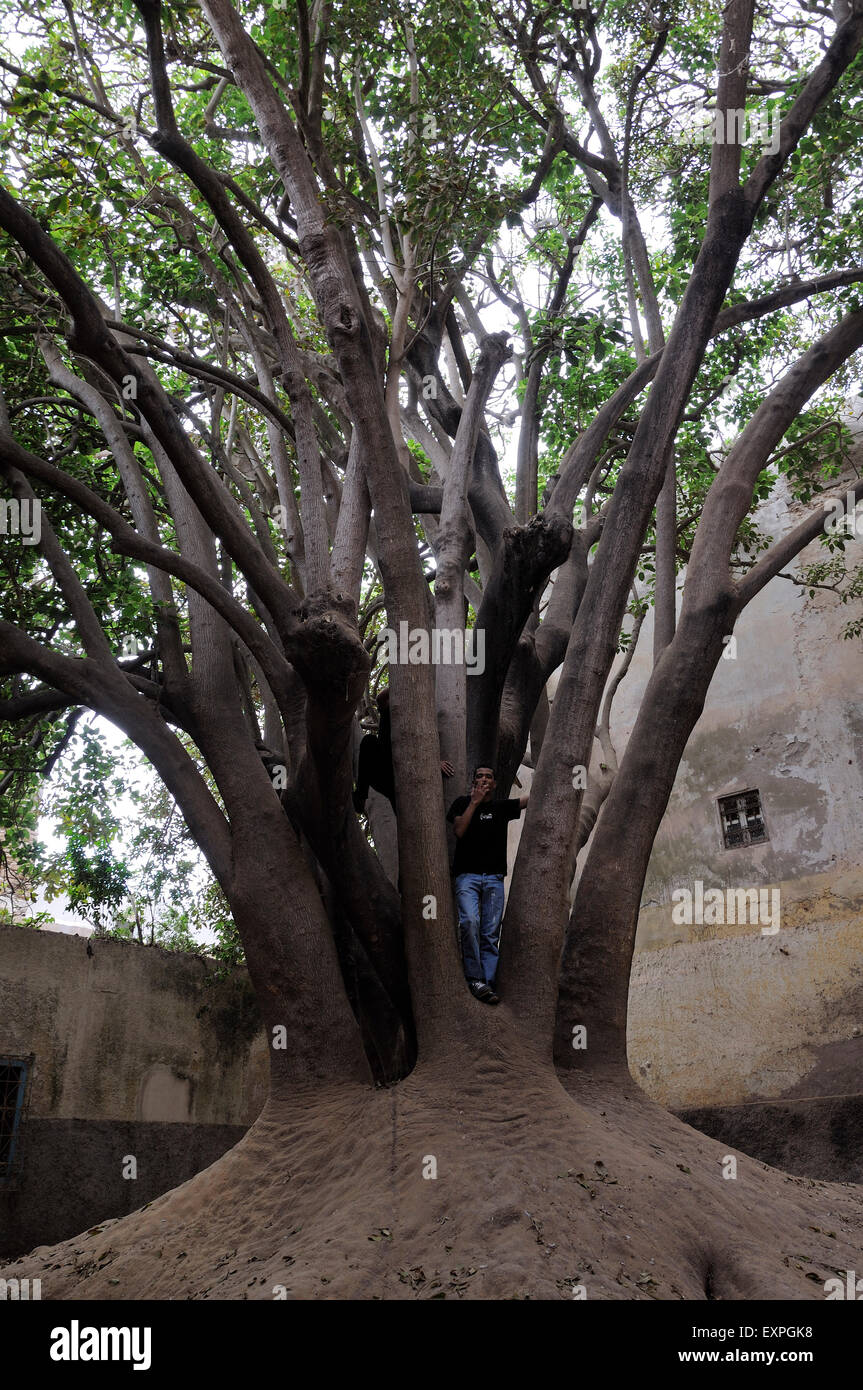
(461, 823)
(522, 802)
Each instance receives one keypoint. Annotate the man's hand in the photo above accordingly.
(483, 785)
(522, 801)
(446, 767)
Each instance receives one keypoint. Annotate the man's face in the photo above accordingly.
(484, 782)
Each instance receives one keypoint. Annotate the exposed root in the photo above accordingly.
(492, 1182)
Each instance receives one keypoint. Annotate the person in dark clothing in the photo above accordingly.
(479, 869)
(375, 765)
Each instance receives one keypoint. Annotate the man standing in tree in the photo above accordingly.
(479, 869)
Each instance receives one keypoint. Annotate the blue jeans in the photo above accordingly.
(479, 899)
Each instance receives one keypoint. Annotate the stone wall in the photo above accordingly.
(139, 1053)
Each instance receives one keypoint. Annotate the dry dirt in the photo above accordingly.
(541, 1192)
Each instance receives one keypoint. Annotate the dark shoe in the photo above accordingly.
(492, 997)
(480, 990)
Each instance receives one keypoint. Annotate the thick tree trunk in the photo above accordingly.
(665, 610)
(538, 652)
(384, 830)
(290, 953)
(527, 556)
(453, 552)
(442, 1005)
(597, 955)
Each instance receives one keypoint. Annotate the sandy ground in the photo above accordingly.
(540, 1192)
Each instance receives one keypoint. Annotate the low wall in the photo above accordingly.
(810, 1138)
(139, 1052)
(72, 1174)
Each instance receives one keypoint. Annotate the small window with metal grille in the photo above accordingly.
(15, 1073)
(742, 819)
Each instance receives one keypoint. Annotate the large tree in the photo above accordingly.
(320, 317)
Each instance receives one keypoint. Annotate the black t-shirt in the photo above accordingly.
(482, 848)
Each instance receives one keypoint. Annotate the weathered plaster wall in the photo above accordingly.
(747, 1017)
(128, 1032)
(138, 1052)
